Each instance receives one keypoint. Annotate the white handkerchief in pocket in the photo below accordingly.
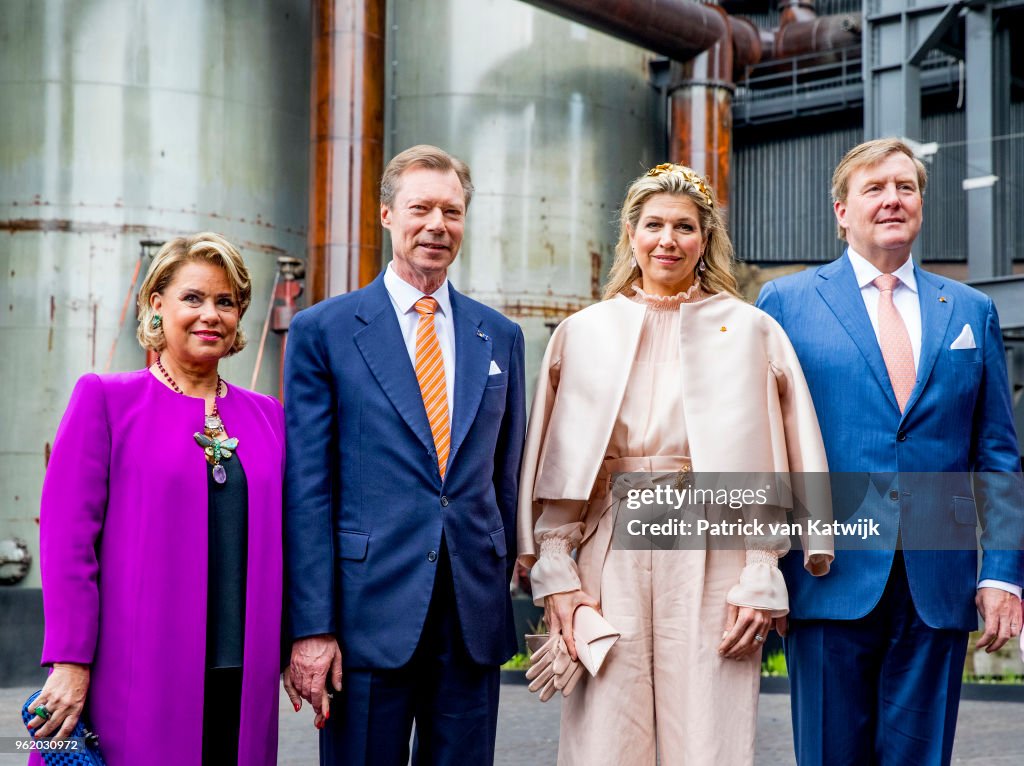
(964, 340)
(494, 370)
(594, 637)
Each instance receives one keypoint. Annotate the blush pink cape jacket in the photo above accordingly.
(745, 400)
(123, 548)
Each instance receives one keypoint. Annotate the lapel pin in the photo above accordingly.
(482, 335)
(723, 328)
(942, 299)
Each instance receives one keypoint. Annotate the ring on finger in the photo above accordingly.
(759, 638)
(42, 712)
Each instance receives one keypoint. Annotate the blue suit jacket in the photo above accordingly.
(365, 504)
(959, 419)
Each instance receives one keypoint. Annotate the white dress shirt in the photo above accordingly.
(909, 305)
(904, 296)
(403, 299)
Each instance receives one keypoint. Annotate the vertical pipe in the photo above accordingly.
(700, 115)
(346, 145)
(982, 260)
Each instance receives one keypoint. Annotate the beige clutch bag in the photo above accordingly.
(594, 637)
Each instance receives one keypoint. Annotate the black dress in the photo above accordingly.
(225, 614)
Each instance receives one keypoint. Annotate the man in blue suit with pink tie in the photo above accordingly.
(908, 374)
(405, 410)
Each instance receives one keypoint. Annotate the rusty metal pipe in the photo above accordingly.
(679, 29)
(802, 31)
(347, 145)
(821, 35)
(700, 109)
(747, 45)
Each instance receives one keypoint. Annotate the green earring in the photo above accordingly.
(156, 322)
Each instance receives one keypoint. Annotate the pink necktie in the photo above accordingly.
(895, 341)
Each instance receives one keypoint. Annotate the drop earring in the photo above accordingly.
(156, 322)
(701, 266)
(632, 260)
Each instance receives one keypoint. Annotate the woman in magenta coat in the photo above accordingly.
(160, 537)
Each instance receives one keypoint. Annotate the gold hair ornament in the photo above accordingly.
(689, 175)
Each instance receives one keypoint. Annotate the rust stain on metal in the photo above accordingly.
(547, 310)
(95, 318)
(46, 455)
(595, 275)
(14, 226)
(53, 321)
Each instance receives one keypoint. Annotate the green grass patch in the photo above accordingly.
(774, 664)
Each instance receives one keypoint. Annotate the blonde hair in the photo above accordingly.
(865, 155)
(718, 251)
(204, 247)
(424, 156)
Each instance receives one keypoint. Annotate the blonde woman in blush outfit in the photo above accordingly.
(671, 372)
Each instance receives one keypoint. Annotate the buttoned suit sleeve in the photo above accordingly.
(509, 453)
(310, 408)
(996, 462)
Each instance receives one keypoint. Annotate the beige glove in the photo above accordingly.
(551, 667)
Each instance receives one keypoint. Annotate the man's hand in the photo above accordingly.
(1001, 612)
(312, 659)
(63, 696)
(558, 611)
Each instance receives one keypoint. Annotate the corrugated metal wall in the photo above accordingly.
(782, 211)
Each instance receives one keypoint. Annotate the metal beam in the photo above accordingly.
(1008, 295)
(897, 37)
(981, 199)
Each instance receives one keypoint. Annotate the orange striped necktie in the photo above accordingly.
(430, 376)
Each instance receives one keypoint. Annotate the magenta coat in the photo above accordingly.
(123, 549)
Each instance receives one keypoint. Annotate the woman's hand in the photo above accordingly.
(63, 696)
(742, 623)
(558, 611)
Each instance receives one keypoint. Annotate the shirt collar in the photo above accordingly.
(405, 295)
(865, 271)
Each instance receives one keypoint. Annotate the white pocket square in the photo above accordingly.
(964, 340)
(494, 369)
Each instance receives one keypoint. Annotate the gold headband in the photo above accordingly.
(688, 175)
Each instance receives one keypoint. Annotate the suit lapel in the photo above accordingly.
(472, 365)
(935, 317)
(383, 348)
(838, 287)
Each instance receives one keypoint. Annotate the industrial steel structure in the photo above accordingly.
(125, 123)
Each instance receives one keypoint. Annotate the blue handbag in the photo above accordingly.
(82, 748)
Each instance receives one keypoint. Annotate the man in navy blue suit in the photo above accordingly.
(405, 410)
(908, 375)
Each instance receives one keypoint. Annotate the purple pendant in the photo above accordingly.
(219, 474)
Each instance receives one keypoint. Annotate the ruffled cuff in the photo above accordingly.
(761, 584)
(555, 570)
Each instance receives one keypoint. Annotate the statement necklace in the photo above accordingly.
(213, 427)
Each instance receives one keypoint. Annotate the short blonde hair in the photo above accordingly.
(204, 247)
(718, 252)
(865, 155)
(424, 156)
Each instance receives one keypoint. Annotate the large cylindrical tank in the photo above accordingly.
(125, 121)
(553, 118)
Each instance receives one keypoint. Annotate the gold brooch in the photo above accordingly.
(723, 328)
(691, 177)
(942, 299)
